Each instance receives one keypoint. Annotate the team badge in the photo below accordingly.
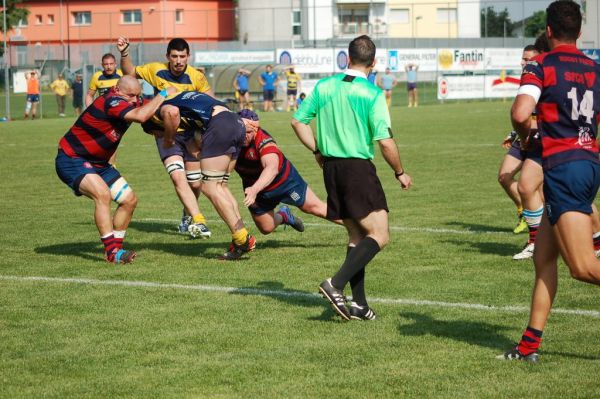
(251, 155)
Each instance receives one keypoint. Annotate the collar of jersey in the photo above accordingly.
(354, 72)
(566, 48)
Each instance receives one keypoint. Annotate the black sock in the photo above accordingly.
(357, 283)
(356, 260)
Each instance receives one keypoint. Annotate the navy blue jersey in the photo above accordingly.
(566, 86)
(195, 109)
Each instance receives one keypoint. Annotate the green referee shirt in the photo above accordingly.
(351, 113)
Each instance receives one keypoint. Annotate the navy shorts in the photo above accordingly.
(33, 98)
(242, 92)
(516, 152)
(411, 86)
(179, 148)
(292, 192)
(268, 95)
(72, 170)
(570, 186)
(292, 92)
(225, 134)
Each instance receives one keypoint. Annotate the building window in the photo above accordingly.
(82, 18)
(399, 16)
(50, 19)
(446, 15)
(354, 18)
(39, 20)
(179, 16)
(132, 16)
(22, 23)
(296, 22)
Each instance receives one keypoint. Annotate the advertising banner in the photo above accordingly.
(426, 59)
(592, 53)
(502, 85)
(503, 58)
(307, 60)
(460, 60)
(460, 87)
(233, 57)
(341, 59)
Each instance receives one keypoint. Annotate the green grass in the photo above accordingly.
(267, 338)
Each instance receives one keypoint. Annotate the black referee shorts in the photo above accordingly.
(353, 188)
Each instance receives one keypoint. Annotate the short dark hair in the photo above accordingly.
(541, 43)
(362, 51)
(564, 19)
(108, 55)
(178, 44)
(530, 47)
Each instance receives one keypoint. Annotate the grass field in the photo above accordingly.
(179, 323)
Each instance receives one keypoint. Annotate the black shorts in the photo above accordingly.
(77, 102)
(242, 92)
(225, 134)
(268, 95)
(353, 188)
(291, 92)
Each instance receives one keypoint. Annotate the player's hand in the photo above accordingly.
(319, 158)
(168, 142)
(405, 181)
(250, 196)
(122, 44)
(508, 140)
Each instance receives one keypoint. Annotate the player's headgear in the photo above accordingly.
(564, 19)
(178, 44)
(248, 114)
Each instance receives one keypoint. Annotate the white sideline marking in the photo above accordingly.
(290, 294)
(392, 228)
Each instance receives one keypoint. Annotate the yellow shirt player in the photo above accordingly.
(183, 166)
(60, 87)
(103, 81)
(293, 84)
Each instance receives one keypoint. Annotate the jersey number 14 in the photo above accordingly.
(583, 108)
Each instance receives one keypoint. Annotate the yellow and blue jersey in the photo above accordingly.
(160, 77)
(102, 83)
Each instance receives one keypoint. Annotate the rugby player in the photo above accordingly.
(102, 81)
(219, 135)
(563, 86)
(269, 179)
(83, 157)
(181, 165)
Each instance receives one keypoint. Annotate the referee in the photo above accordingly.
(352, 113)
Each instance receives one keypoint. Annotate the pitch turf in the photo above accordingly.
(179, 323)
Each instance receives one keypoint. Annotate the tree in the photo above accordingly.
(13, 15)
(495, 24)
(535, 24)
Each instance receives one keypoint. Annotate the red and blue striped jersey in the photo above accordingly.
(248, 165)
(97, 132)
(566, 85)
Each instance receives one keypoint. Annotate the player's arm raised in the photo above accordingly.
(126, 64)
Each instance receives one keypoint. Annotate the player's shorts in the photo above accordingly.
(571, 186)
(292, 92)
(535, 154)
(225, 134)
(242, 92)
(292, 192)
(77, 102)
(72, 171)
(353, 188)
(179, 148)
(411, 86)
(268, 95)
(33, 98)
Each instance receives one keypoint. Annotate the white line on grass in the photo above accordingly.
(289, 294)
(392, 228)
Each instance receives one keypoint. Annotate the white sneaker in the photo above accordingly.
(526, 253)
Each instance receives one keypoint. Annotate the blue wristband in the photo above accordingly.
(163, 93)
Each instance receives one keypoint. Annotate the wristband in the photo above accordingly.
(163, 93)
(398, 174)
(125, 51)
(315, 152)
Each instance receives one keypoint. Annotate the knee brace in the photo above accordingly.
(175, 167)
(120, 190)
(27, 107)
(214, 176)
(193, 176)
